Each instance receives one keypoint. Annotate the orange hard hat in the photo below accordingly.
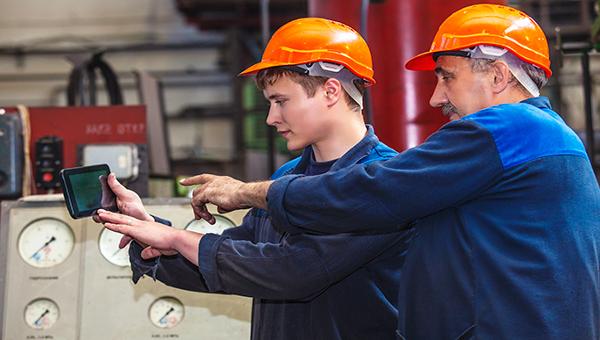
(308, 40)
(487, 24)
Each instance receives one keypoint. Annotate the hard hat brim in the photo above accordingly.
(254, 69)
(421, 62)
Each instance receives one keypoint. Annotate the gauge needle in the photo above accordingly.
(166, 314)
(118, 250)
(41, 316)
(52, 239)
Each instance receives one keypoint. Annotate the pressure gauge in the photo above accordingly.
(46, 242)
(203, 227)
(166, 312)
(41, 313)
(109, 248)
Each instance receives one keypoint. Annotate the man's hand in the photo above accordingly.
(226, 193)
(160, 239)
(157, 239)
(128, 203)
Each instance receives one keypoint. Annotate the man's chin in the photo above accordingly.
(454, 117)
(294, 147)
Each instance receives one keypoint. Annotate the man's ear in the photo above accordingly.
(333, 91)
(501, 76)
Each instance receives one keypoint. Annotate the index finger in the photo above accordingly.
(116, 218)
(198, 179)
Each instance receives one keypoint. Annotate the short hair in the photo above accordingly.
(537, 75)
(310, 84)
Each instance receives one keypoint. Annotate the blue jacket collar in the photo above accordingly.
(353, 156)
(539, 102)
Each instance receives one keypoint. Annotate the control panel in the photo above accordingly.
(48, 162)
(67, 279)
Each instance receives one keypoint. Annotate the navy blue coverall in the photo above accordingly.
(507, 231)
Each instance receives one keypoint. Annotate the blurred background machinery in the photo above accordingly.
(181, 60)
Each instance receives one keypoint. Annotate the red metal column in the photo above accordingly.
(398, 30)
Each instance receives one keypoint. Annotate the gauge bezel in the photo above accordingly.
(40, 299)
(217, 217)
(166, 297)
(126, 249)
(28, 225)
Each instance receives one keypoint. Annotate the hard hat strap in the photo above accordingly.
(515, 65)
(333, 70)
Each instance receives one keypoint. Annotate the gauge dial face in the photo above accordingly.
(166, 312)
(41, 313)
(46, 242)
(203, 227)
(109, 248)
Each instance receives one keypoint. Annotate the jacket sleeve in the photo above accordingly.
(246, 230)
(454, 164)
(177, 271)
(298, 267)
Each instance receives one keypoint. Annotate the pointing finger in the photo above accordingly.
(198, 179)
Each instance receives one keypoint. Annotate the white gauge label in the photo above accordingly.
(41, 313)
(109, 248)
(203, 227)
(46, 242)
(166, 312)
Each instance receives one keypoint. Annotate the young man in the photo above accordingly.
(305, 286)
(505, 203)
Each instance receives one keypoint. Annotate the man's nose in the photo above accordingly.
(272, 116)
(438, 98)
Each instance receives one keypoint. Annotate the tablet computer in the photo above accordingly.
(86, 190)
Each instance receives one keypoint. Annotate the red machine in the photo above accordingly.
(58, 135)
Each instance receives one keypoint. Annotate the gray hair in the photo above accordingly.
(537, 75)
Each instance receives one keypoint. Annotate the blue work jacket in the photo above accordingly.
(507, 211)
(305, 286)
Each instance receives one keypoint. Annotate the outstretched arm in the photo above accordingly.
(455, 164)
(176, 270)
(297, 268)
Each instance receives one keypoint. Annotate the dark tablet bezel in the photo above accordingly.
(69, 194)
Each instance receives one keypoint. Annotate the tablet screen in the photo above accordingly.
(88, 189)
